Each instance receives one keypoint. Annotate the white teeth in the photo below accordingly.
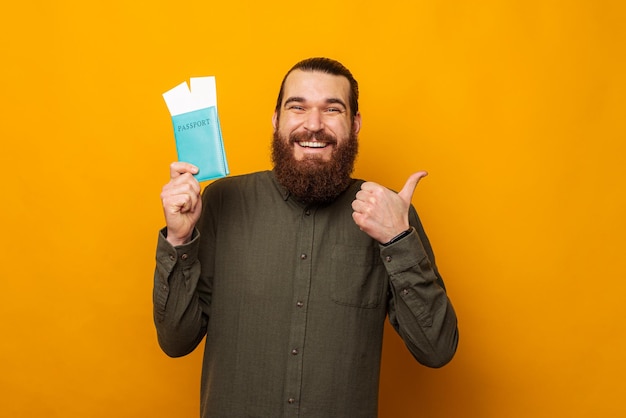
(310, 144)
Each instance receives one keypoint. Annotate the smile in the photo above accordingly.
(312, 144)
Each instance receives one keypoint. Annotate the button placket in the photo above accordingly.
(302, 285)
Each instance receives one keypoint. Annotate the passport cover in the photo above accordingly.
(199, 142)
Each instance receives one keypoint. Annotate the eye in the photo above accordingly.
(334, 110)
(296, 108)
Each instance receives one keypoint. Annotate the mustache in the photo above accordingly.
(310, 136)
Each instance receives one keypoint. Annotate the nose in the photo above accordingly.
(314, 122)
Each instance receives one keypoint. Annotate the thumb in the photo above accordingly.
(406, 193)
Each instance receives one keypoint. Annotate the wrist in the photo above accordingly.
(398, 237)
(176, 241)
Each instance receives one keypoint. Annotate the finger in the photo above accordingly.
(363, 196)
(186, 204)
(359, 206)
(183, 184)
(370, 186)
(181, 203)
(178, 168)
(192, 201)
(181, 196)
(407, 191)
(359, 219)
(186, 181)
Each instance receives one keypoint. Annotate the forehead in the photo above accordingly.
(315, 85)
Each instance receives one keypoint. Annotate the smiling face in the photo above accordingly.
(314, 115)
(315, 137)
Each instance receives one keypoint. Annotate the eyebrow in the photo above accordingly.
(332, 100)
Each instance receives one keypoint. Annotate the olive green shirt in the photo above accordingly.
(292, 300)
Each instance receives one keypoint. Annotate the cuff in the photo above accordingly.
(404, 253)
(185, 254)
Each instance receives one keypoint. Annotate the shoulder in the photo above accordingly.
(238, 182)
(242, 189)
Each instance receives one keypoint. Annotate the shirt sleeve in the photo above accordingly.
(419, 308)
(177, 307)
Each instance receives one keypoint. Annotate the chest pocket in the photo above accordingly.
(358, 277)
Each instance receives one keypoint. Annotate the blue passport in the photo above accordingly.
(199, 142)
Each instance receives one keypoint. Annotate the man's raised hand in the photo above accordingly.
(382, 213)
(181, 202)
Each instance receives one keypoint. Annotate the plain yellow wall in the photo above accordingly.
(516, 108)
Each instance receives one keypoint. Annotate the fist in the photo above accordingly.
(181, 202)
(382, 213)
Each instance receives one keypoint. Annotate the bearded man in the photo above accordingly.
(290, 273)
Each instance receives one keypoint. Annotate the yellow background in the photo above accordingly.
(516, 108)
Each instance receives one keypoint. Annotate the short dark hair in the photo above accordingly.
(328, 66)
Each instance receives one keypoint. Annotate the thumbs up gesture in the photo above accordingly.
(381, 213)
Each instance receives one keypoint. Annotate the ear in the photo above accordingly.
(356, 125)
(275, 120)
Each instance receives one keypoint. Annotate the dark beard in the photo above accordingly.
(313, 180)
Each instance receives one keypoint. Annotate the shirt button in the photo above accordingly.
(294, 352)
(172, 258)
(303, 256)
(307, 212)
(388, 258)
(299, 304)
(291, 400)
(184, 257)
(405, 292)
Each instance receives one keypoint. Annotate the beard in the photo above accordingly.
(313, 180)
